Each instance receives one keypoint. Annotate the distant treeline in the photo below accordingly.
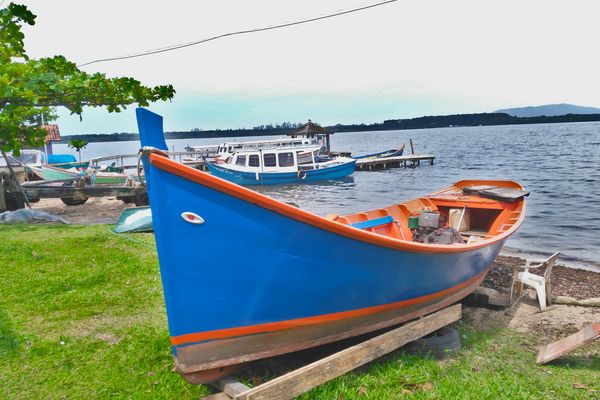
(440, 121)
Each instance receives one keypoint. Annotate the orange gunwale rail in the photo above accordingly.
(190, 338)
(309, 218)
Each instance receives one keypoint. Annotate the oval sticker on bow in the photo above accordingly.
(192, 218)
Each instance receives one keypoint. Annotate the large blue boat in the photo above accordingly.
(247, 277)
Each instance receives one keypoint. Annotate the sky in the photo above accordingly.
(400, 60)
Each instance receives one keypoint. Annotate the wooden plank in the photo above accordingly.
(303, 379)
(557, 349)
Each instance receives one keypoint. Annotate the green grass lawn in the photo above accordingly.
(82, 316)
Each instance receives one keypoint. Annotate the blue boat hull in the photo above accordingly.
(293, 270)
(250, 281)
(277, 178)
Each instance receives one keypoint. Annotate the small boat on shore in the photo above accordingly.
(383, 154)
(247, 277)
(50, 173)
(278, 165)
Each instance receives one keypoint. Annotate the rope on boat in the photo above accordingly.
(144, 151)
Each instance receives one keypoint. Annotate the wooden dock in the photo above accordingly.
(412, 161)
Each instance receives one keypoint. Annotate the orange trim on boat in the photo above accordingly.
(319, 319)
(282, 208)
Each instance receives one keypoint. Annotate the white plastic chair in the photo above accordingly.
(541, 284)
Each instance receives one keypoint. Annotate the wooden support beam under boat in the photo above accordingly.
(303, 379)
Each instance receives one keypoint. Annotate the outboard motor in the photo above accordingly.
(431, 227)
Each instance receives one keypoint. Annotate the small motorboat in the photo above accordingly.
(247, 277)
(383, 154)
(277, 165)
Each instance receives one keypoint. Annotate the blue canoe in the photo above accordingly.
(383, 154)
(275, 178)
(247, 277)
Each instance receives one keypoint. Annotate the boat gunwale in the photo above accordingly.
(183, 171)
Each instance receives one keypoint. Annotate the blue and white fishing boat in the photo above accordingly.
(277, 164)
(247, 277)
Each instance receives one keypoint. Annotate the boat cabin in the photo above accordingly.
(286, 159)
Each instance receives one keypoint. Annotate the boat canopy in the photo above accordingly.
(61, 158)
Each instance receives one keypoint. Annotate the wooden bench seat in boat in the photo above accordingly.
(497, 193)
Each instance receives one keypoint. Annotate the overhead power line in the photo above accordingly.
(243, 32)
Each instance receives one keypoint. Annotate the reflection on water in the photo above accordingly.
(558, 163)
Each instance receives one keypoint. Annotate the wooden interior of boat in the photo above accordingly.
(489, 217)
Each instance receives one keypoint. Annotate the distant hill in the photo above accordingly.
(549, 110)
(438, 121)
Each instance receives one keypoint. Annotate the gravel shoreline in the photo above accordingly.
(577, 283)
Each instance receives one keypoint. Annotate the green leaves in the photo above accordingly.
(77, 144)
(21, 12)
(11, 37)
(30, 89)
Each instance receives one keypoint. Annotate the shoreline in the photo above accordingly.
(106, 210)
(566, 281)
(583, 265)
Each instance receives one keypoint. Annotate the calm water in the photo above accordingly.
(558, 163)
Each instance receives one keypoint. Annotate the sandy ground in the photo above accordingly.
(556, 322)
(97, 210)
